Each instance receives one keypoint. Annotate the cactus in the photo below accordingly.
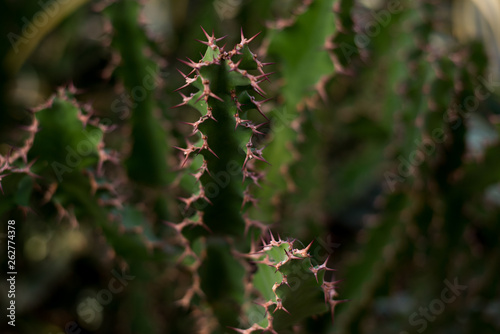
(62, 171)
(431, 131)
(226, 140)
(290, 287)
(375, 109)
(68, 159)
(226, 150)
(139, 73)
(305, 74)
(65, 157)
(54, 161)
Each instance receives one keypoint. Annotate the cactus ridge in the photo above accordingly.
(302, 86)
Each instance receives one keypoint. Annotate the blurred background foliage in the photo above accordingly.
(384, 147)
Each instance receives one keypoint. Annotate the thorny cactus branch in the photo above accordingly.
(226, 144)
(224, 160)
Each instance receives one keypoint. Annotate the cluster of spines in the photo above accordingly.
(290, 254)
(196, 259)
(7, 162)
(8, 167)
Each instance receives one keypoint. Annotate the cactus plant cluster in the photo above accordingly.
(368, 129)
(295, 286)
(423, 216)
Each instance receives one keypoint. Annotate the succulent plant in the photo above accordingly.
(368, 126)
(289, 285)
(139, 71)
(223, 158)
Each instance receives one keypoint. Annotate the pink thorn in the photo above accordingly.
(234, 67)
(245, 40)
(272, 236)
(191, 63)
(213, 152)
(216, 97)
(183, 75)
(206, 34)
(265, 75)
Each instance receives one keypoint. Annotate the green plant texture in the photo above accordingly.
(230, 166)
